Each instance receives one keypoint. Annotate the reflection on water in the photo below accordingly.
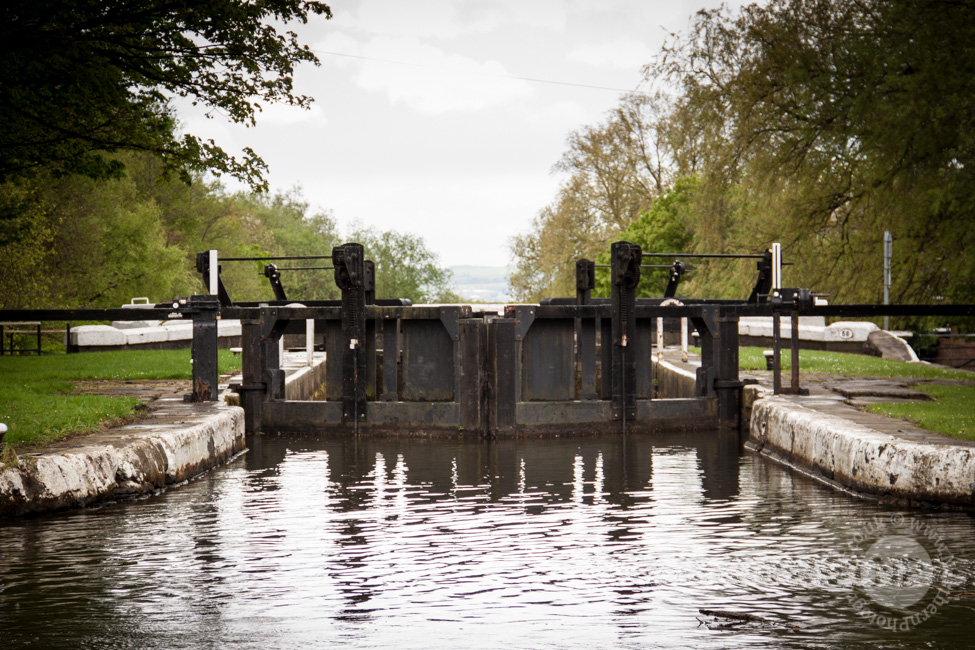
(554, 543)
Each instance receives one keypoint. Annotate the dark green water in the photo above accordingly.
(600, 542)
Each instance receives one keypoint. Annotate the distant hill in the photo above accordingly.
(481, 283)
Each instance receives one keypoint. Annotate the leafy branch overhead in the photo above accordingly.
(83, 78)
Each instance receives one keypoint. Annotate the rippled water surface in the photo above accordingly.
(597, 542)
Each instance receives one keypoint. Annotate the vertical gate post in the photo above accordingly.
(706, 371)
(252, 390)
(776, 345)
(588, 390)
(625, 266)
(369, 281)
(795, 390)
(502, 375)
(390, 388)
(727, 387)
(473, 380)
(585, 331)
(605, 326)
(271, 332)
(349, 263)
(372, 336)
(205, 376)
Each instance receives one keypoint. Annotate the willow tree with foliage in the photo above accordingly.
(613, 171)
(816, 123)
(842, 120)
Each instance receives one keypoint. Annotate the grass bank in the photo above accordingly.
(952, 413)
(38, 405)
(839, 363)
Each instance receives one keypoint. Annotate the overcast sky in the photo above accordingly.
(418, 125)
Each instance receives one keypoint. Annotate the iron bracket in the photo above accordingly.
(524, 317)
(710, 317)
(449, 317)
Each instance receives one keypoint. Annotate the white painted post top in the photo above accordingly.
(776, 266)
(214, 271)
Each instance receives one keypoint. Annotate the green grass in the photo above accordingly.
(38, 407)
(839, 363)
(952, 414)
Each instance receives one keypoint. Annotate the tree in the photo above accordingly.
(88, 243)
(618, 166)
(661, 229)
(405, 267)
(568, 229)
(614, 170)
(295, 232)
(80, 79)
(840, 120)
(100, 242)
(815, 123)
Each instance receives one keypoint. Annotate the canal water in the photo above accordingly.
(590, 542)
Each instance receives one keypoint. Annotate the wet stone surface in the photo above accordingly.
(880, 388)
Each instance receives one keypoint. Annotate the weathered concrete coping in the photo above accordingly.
(813, 333)
(830, 440)
(178, 441)
(909, 467)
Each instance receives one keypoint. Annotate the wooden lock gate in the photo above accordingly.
(560, 368)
